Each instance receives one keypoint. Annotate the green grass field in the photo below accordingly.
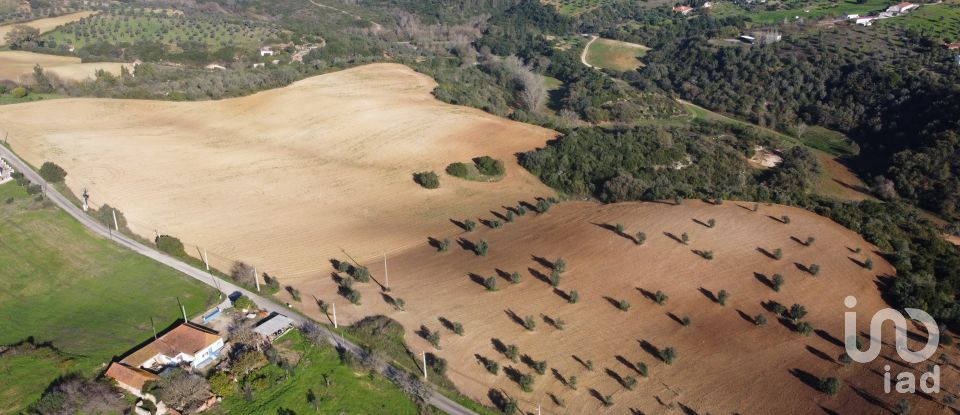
(350, 390)
(810, 11)
(89, 298)
(829, 141)
(936, 20)
(616, 55)
(576, 7)
(168, 29)
(7, 99)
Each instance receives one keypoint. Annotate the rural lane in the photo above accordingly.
(437, 400)
(583, 55)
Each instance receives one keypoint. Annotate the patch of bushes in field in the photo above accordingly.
(484, 168)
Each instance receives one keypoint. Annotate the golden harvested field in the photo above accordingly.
(14, 64)
(724, 364)
(282, 179)
(45, 25)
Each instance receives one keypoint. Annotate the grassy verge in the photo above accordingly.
(829, 141)
(8, 99)
(384, 336)
(319, 371)
(87, 297)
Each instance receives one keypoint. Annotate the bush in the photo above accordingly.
(630, 382)
(574, 297)
(515, 277)
(641, 238)
(458, 328)
(526, 383)
(830, 386)
(608, 400)
(432, 336)
(362, 274)
(354, 297)
(512, 352)
(686, 321)
(804, 328)
(439, 365)
(221, 384)
(814, 269)
(427, 179)
(760, 320)
(711, 223)
(529, 323)
(543, 206)
(469, 225)
(458, 170)
(809, 241)
(443, 245)
(489, 166)
(620, 228)
(668, 354)
(244, 303)
(492, 367)
(660, 297)
(623, 305)
(722, 297)
(797, 312)
(560, 265)
(684, 238)
(785, 219)
(482, 248)
(52, 172)
(868, 264)
(554, 278)
(170, 245)
(19, 92)
(490, 283)
(777, 254)
(540, 366)
(777, 282)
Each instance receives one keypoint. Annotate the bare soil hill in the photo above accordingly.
(15, 64)
(45, 25)
(725, 363)
(286, 178)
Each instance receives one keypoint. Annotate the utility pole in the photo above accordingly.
(424, 354)
(182, 310)
(385, 273)
(206, 261)
(334, 305)
(256, 278)
(154, 328)
(116, 227)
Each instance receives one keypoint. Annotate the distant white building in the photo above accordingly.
(266, 51)
(901, 8)
(865, 21)
(707, 5)
(852, 16)
(215, 66)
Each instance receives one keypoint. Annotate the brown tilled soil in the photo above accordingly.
(725, 363)
(286, 178)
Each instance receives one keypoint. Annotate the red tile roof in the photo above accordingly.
(129, 376)
(186, 338)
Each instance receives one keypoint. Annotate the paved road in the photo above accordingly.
(437, 400)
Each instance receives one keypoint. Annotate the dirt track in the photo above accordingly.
(283, 179)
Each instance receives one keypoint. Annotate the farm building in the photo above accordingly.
(901, 8)
(865, 21)
(684, 10)
(952, 46)
(186, 344)
(266, 51)
(747, 39)
(273, 327)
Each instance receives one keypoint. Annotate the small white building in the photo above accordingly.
(865, 21)
(266, 51)
(852, 16)
(213, 66)
(901, 8)
(273, 327)
(707, 5)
